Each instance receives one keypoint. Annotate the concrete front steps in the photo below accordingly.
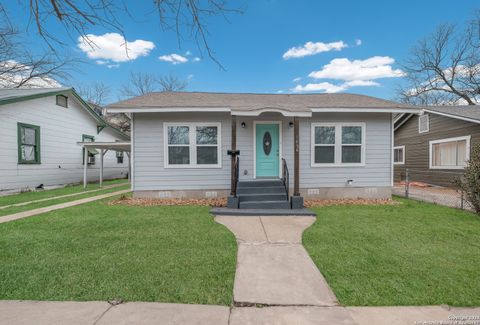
(262, 194)
(266, 197)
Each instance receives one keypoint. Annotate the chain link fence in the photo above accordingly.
(417, 185)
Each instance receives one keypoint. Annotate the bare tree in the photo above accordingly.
(139, 84)
(19, 68)
(188, 18)
(444, 68)
(97, 93)
(143, 83)
(171, 82)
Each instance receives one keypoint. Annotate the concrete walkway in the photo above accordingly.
(61, 196)
(148, 313)
(273, 268)
(34, 212)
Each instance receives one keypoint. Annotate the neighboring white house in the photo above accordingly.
(332, 145)
(40, 130)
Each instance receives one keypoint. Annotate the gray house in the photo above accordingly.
(261, 150)
(435, 146)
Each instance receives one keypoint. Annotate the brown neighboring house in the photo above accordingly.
(436, 145)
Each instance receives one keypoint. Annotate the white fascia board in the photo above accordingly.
(270, 110)
(366, 110)
(166, 109)
(453, 116)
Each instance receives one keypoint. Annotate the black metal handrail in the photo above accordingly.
(285, 176)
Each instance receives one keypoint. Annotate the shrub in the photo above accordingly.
(470, 180)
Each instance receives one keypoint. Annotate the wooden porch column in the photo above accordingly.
(233, 148)
(296, 158)
(101, 167)
(85, 164)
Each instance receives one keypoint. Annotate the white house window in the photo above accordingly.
(338, 144)
(191, 145)
(452, 153)
(423, 123)
(399, 155)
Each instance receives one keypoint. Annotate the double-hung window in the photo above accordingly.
(399, 155)
(192, 145)
(452, 153)
(338, 144)
(28, 143)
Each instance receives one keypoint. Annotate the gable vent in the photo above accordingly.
(423, 123)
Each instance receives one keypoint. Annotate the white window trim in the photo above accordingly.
(430, 151)
(192, 144)
(338, 144)
(428, 123)
(403, 155)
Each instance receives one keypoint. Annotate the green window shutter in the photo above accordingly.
(28, 140)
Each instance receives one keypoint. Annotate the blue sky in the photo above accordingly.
(359, 43)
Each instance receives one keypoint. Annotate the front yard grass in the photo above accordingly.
(42, 194)
(81, 195)
(409, 254)
(94, 251)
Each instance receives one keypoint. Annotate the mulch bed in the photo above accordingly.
(311, 203)
(221, 202)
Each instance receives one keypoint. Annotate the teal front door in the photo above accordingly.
(267, 150)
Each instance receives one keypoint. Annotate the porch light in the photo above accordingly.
(243, 125)
(290, 124)
(350, 182)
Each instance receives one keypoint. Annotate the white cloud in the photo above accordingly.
(356, 73)
(312, 48)
(358, 42)
(190, 77)
(297, 79)
(20, 73)
(196, 59)
(372, 68)
(328, 87)
(279, 91)
(113, 47)
(173, 58)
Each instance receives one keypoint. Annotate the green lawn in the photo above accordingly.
(98, 252)
(42, 194)
(31, 206)
(409, 254)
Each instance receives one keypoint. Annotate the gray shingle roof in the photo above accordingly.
(467, 111)
(248, 102)
(11, 93)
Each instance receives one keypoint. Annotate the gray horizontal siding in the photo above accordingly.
(150, 173)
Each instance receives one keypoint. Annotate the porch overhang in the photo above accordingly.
(91, 147)
(284, 112)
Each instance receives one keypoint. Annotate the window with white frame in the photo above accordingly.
(423, 123)
(338, 144)
(399, 155)
(191, 145)
(452, 153)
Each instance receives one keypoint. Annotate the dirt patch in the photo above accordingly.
(310, 203)
(154, 202)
